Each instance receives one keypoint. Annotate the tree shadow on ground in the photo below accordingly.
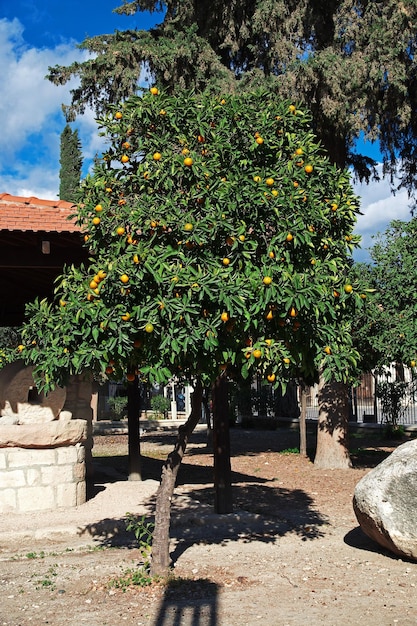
(189, 601)
(263, 511)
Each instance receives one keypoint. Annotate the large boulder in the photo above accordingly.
(385, 502)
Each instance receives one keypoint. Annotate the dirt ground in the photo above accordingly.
(290, 554)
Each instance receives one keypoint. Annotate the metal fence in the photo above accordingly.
(365, 404)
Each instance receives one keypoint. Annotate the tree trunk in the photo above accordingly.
(221, 448)
(303, 414)
(332, 435)
(160, 544)
(133, 417)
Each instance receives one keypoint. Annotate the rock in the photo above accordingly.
(9, 420)
(385, 502)
(19, 397)
(50, 435)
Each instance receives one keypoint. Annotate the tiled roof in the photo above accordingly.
(32, 214)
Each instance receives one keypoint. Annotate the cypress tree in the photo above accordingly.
(71, 163)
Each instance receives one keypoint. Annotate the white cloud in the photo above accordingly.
(30, 110)
(379, 207)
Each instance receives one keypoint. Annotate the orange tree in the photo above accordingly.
(220, 238)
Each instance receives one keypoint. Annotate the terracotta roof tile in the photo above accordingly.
(34, 214)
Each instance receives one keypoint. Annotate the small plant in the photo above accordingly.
(118, 406)
(48, 582)
(35, 555)
(290, 451)
(160, 406)
(394, 432)
(139, 577)
(391, 394)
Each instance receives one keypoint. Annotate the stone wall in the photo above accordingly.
(42, 479)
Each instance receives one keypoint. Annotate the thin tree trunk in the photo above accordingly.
(303, 414)
(221, 448)
(160, 544)
(332, 435)
(133, 418)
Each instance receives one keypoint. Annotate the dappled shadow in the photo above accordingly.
(192, 602)
(262, 512)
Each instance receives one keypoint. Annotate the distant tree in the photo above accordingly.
(71, 163)
(391, 331)
(353, 64)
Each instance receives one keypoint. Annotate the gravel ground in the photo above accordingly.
(291, 553)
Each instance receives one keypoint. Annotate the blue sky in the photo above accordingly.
(36, 34)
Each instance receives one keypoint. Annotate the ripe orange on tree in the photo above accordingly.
(308, 169)
(224, 316)
(154, 91)
(348, 288)
(271, 377)
(96, 221)
(124, 278)
(188, 161)
(157, 156)
(124, 158)
(149, 328)
(120, 230)
(257, 353)
(267, 280)
(118, 115)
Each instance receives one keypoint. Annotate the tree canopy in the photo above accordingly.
(220, 236)
(353, 64)
(389, 332)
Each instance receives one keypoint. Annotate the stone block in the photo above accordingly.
(66, 455)
(78, 472)
(56, 474)
(33, 476)
(3, 459)
(8, 501)
(81, 493)
(80, 453)
(13, 478)
(66, 495)
(50, 435)
(40, 498)
(23, 457)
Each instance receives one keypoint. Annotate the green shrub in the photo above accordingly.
(160, 406)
